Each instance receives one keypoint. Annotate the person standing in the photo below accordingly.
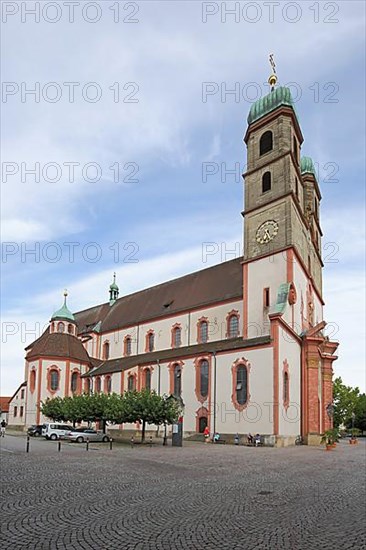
(206, 433)
(2, 428)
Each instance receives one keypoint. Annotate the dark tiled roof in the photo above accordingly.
(124, 363)
(59, 345)
(214, 284)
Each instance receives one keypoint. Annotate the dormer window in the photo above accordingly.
(266, 143)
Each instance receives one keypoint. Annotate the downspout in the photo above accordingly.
(137, 339)
(189, 328)
(159, 372)
(214, 396)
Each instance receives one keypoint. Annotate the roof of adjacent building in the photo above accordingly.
(4, 404)
(215, 284)
(57, 344)
(174, 354)
(278, 97)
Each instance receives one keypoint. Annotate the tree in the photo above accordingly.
(54, 409)
(360, 413)
(345, 400)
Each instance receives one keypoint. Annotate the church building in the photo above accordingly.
(241, 343)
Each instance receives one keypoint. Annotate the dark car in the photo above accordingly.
(35, 430)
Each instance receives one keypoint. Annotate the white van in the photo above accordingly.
(55, 431)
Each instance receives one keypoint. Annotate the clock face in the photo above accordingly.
(266, 232)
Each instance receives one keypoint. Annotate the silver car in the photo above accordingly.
(81, 436)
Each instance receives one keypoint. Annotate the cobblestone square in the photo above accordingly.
(199, 496)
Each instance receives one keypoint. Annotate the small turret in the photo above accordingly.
(113, 291)
(66, 320)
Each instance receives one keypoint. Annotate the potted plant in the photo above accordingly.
(328, 439)
(354, 433)
(336, 436)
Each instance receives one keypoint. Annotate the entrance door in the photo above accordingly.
(202, 424)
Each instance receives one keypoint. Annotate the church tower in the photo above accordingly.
(282, 267)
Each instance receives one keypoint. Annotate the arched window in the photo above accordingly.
(61, 327)
(128, 345)
(32, 381)
(266, 182)
(108, 384)
(70, 328)
(87, 385)
(241, 384)
(177, 381)
(204, 378)
(297, 188)
(266, 143)
(74, 382)
(285, 387)
(54, 379)
(150, 341)
(98, 385)
(147, 379)
(131, 383)
(233, 326)
(203, 332)
(177, 337)
(106, 351)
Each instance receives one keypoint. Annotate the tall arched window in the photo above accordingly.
(98, 385)
(106, 351)
(203, 332)
(177, 337)
(285, 387)
(61, 327)
(147, 379)
(87, 385)
(150, 341)
(131, 383)
(296, 150)
(204, 370)
(241, 384)
(128, 345)
(32, 381)
(233, 326)
(266, 143)
(266, 182)
(74, 382)
(54, 379)
(177, 380)
(108, 384)
(70, 328)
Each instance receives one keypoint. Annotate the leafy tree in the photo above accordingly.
(345, 400)
(360, 413)
(54, 409)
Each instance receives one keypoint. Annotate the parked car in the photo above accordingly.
(80, 435)
(35, 430)
(53, 431)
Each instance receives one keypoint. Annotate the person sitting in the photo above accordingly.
(250, 439)
(257, 440)
(216, 437)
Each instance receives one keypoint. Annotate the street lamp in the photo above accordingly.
(330, 410)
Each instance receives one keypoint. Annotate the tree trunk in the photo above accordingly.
(143, 431)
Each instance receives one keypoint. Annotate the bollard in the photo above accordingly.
(150, 441)
(87, 443)
(110, 443)
(132, 442)
(27, 447)
(59, 445)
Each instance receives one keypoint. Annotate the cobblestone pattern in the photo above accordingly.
(197, 497)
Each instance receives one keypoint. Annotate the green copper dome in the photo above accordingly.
(307, 166)
(278, 97)
(63, 312)
(114, 285)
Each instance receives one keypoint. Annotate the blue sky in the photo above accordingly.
(168, 133)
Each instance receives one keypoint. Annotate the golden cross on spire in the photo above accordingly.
(273, 78)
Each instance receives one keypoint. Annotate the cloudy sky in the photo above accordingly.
(129, 100)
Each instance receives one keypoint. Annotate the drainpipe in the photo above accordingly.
(189, 329)
(214, 396)
(137, 339)
(159, 370)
